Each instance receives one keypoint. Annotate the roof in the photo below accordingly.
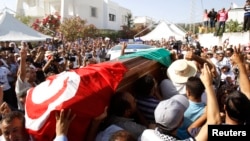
(165, 30)
(12, 29)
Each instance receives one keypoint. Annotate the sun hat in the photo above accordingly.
(170, 113)
(180, 70)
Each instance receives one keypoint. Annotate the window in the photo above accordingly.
(111, 17)
(93, 12)
(126, 18)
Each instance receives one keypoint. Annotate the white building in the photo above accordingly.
(143, 20)
(104, 14)
(236, 14)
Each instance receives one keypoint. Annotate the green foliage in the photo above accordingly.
(233, 26)
(129, 21)
(24, 19)
(90, 31)
(73, 28)
(112, 34)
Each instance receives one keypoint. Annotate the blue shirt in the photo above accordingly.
(193, 112)
(61, 138)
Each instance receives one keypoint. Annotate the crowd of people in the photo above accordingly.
(211, 19)
(203, 86)
(215, 21)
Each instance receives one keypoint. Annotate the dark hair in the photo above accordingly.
(8, 118)
(122, 134)
(222, 93)
(119, 104)
(230, 49)
(237, 106)
(195, 86)
(144, 85)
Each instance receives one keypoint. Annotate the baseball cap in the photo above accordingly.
(169, 113)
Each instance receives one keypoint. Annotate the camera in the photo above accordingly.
(57, 57)
(88, 56)
(71, 58)
(236, 71)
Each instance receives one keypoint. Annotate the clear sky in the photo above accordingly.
(169, 10)
(11, 4)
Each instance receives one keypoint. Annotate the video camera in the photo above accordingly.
(57, 57)
(71, 57)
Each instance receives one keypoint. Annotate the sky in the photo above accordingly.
(176, 11)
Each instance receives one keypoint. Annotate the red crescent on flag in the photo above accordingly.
(44, 106)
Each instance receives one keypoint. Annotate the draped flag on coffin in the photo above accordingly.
(86, 91)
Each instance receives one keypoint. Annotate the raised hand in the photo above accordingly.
(206, 76)
(23, 53)
(124, 45)
(103, 115)
(63, 120)
(4, 109)
(236, 58)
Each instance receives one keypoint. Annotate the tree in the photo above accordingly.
(73, 28)
(233, 26)
(48, 25)
(141, 30)
(129, 20)
(90, 31)
(24, 19)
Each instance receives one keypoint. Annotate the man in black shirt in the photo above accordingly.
(213, 19)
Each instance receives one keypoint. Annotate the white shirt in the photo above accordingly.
(20, 85)
(4, 72)
(227, 74)
(149, 135)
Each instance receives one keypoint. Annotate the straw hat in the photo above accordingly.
(180, 70)
(48, 53)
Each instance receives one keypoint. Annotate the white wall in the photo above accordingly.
(120, 12)
(236, 15)
(236, 38)
(146, 21)
(83, 9)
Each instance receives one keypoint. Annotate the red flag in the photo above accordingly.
(86, 91)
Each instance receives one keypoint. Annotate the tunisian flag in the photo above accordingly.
(86, 91)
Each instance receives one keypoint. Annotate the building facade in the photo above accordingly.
(236, 14)
(104, 14)
(143, 20)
